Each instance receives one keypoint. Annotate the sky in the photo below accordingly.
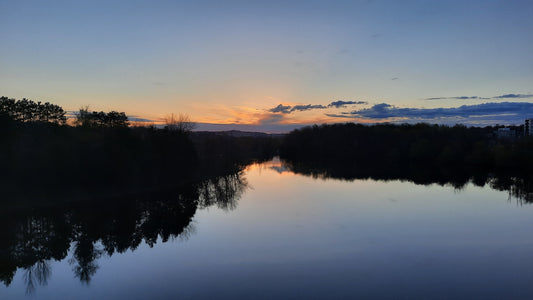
(275, 65)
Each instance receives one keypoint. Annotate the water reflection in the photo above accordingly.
(519, 186)
(36, 274)
(222, 191)
(32, 237)
(83, 232)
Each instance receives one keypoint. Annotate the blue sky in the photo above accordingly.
(234, 61)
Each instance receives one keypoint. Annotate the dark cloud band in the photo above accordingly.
(284, 109)
(384, 111)
(306, 107)
(287, 109)
(340, 103)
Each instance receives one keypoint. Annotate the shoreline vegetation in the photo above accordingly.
(103, 187)
(100, 155)
(101, 149)
(420, 145)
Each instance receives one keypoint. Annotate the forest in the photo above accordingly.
(100, 154)
(420, 145)
(421, 153)
(100, 186)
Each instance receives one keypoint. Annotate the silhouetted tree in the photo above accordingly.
(181, 123)
(29, 111)
(113, 119)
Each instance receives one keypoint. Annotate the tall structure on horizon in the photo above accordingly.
(528, 129)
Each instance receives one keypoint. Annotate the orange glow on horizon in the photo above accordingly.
(241, 115)
(256, 117)
(245, 115)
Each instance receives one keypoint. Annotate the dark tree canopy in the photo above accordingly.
(113, 119)
(421, 145)
(29, 111)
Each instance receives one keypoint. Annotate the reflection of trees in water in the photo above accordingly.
(518, 186)
(84, 259)
(223, 191)
(37, 273)
(31, 238)
(29, 243)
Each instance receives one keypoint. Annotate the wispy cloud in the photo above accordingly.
(436, 98)
(139, 119)
(467, 98)
(516, 96)
(458, 98)
(505, 96)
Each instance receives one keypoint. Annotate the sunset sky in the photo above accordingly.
(267, 63)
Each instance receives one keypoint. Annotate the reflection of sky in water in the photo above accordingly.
(298, 237)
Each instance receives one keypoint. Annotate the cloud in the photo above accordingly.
(306, 107)
(519, 96)
(504, 111)
(342, 115)
(340, 103)
(287, 109)
(284, 109)
(465, 97)
(139, 119)
(378, 111)
(505, 96)
(458, 98)
(394, 78)
(436, 98)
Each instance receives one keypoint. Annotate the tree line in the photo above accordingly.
(30, 111)
(422, 145)
(26, 111)
(112, 119)
(103, 146)
(101, 154)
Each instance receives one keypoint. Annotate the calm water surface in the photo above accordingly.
(282, 235)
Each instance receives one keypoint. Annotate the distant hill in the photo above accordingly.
(267, 128)
(238, 133)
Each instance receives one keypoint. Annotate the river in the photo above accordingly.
(267, 232)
